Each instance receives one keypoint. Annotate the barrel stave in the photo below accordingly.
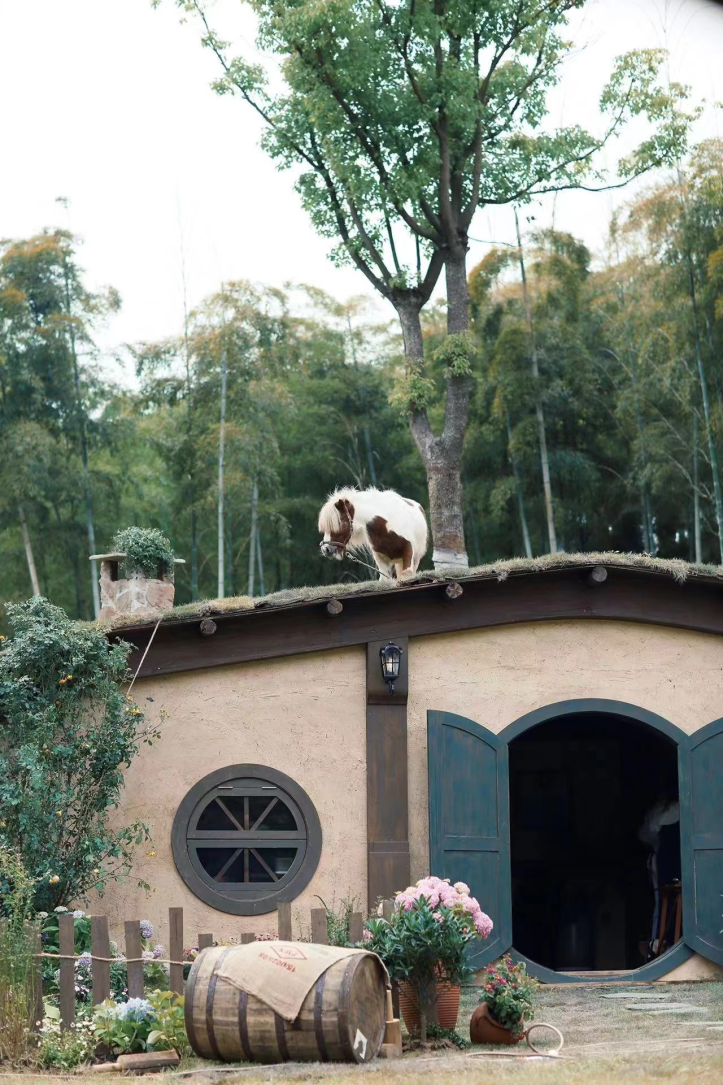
(227, 1024)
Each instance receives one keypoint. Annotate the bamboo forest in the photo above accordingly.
(298, 389)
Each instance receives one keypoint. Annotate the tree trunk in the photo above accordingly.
(713, 451)
(29, 557)
(252, 536)
(541, 434)
(260, 563)
(442, 455)
(90, 526)
(221, 465)
(194, 547)
(518, 489)
(696, 494)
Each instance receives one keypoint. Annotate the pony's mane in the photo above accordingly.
(329, 518)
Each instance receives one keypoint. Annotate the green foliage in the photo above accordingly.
(338, 917)
(17, 948)
(147, 551)
(142, 1024)
(457, 353)
(509, 993)
(124, 1027)
(65, 1049)
(67, 734)
(169, 1033)
(418, 946)
(413, 392)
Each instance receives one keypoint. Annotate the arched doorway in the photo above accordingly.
(470, 826)
(588, 795)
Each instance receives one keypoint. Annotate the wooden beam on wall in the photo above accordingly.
(417, 610)
(387, 778)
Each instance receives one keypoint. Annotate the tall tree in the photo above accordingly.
(408, 117)
(47, 317)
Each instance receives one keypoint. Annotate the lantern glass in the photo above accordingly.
(390, 656)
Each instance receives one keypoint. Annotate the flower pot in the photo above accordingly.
(448, 997)
(483, 1029)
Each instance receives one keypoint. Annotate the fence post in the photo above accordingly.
(36, 974)
(246, 938)
(66, 948)
(175, 947)
(284, 915)
(133, 951)
(319, 930)
(356, 927)
(100, 947)
(204, 941)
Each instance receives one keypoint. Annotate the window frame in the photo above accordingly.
(260, 897)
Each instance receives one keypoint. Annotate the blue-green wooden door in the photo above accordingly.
(469, 834)
(701, 830)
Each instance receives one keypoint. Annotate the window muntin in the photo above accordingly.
(246, 838)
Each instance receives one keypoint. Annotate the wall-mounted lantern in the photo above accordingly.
(391, 660)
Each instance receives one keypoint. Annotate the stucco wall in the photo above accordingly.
(304, 716)
(493, 676)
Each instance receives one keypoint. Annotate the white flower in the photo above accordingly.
(43, 915)
(78, 914)
(60, 908)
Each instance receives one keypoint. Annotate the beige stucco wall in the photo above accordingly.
(494, 676)
(304, 716)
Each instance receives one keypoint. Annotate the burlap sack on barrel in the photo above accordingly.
(281, 974)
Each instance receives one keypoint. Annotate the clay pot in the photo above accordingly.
(483, 1029)
(447, 1005)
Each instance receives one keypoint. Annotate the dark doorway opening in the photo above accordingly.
(582, 787)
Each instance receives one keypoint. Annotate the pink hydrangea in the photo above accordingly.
(438, 891)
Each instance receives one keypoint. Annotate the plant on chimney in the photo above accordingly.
(146, 550)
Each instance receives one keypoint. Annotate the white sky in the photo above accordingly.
(107, 102)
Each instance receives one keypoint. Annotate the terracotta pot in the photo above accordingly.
(483, 1029)
(447, 1005)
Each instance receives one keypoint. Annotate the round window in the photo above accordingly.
(246, 838)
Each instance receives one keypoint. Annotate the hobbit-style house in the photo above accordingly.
(554, 739)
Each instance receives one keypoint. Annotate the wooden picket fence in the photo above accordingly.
(101, 959)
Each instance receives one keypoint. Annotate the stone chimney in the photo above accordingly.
(139, 595)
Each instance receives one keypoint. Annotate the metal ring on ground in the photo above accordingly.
(537, 1051)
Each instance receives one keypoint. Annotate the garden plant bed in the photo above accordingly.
(602, 1038)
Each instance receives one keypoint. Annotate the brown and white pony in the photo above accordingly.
(391, 527)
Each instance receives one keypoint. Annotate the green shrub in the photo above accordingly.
(169, 1033)
(66, 735)
(17, 963)
(509, 993)
(65, 1049)
(147, 551)
(141, 1024)
(338, 918)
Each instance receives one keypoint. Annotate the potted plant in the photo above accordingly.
(506, 1004)
(148, 552)
(423, 945)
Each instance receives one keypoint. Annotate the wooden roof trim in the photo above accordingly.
(633, 595)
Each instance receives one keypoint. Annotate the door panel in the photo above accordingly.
(701, 824)
(469, 819)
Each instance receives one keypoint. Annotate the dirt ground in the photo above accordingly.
(604, 1042)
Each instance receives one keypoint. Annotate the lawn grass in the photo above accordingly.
(604, 1043)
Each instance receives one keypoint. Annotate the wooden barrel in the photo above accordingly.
(342, 1018)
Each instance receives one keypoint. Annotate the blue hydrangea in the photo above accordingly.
(135, 1009)
(146, 929)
